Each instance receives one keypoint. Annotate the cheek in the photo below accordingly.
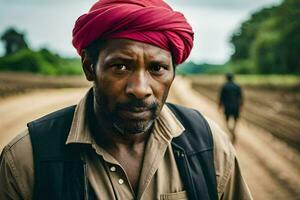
(161, 88)
(109, 90)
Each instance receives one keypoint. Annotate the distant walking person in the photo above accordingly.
(231, 100)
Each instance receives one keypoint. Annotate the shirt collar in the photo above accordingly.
(79, 131)
(167, 126)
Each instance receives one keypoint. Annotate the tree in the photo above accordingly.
(270, 39)
(14, 41)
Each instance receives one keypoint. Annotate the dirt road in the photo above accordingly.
(270, 167)
(16, 111)
(273, 108)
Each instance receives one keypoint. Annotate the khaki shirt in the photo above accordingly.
(159, 178)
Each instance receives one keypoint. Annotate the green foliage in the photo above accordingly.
(241, 67)
(237, 67)
(19, 57)
(269, 42)
(189, 68)
(270, 81)
(43, 62)
(243, 37)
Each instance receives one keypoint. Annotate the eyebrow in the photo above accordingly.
(125, 58)
(160, 62)
(112, 58)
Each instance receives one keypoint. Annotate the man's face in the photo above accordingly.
(131, 84)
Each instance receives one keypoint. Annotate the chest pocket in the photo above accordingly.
(174, 196)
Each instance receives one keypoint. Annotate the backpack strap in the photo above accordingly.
(193, 151)
(58, 169)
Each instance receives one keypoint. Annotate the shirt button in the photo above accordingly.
(121, 181)
(113, 169)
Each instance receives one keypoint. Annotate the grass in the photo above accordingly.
(40, 62)
(252, 80)
(276, 80)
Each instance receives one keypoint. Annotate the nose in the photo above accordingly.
(138, 85)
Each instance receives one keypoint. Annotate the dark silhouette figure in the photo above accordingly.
(231, 100)
(14, 41)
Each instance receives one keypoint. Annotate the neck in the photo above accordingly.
(127, 139)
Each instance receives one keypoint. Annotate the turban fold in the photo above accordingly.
(148, 21)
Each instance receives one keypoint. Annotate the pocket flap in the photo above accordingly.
(174, 196)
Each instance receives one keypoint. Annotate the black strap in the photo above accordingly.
(58, 167)
(194, 154)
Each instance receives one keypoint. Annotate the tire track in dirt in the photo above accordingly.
(269, 174)
(265, 108)
(16, 111)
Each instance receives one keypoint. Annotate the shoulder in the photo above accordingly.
(222, 143)
(19, 152)
(199, 137)
(67, 111)
(224, 155)
(234, 84)
(21, 138)
(16, 165)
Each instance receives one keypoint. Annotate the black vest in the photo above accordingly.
(60, 173)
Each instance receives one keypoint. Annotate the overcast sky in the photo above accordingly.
(49, 23)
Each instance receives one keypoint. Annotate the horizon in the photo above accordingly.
(213, 23)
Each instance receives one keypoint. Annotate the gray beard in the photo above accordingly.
(122, 131)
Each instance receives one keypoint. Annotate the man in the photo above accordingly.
(122, 141)
(231, 100)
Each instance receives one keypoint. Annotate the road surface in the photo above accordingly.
(270, 167)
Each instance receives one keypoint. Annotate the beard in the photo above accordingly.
(122, 124)
(128, 125)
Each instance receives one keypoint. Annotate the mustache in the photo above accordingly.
(137, 105)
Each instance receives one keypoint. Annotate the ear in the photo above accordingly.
(87, 66)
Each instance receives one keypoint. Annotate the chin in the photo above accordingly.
(133, 127)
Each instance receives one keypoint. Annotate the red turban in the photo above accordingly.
(149, 21)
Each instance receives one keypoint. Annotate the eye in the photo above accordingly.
(158, 69)
(119, 68)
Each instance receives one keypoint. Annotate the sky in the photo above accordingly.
(49, 23)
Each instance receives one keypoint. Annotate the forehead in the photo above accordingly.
(131, 48)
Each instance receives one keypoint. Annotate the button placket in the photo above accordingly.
(114, 169)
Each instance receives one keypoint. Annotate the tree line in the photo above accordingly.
(19, 57)
(269, 42)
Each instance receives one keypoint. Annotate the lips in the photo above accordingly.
(136, 113)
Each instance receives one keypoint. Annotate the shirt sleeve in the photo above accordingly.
(230, 182)
(16, 169)
(236, 187)
(9, 188)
